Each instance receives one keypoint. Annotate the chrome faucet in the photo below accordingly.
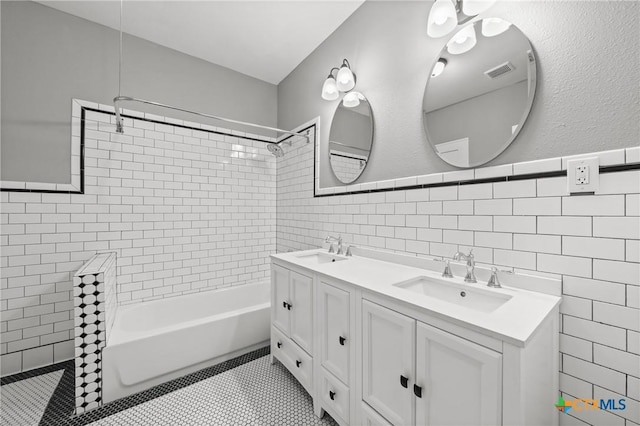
(331, 239)
(471, 264)
(494, 281)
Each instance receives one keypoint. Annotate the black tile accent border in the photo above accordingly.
(167, 123)
(59, 411)
(603, 169)
(35, 372)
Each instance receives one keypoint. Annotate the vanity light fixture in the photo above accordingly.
(492, 27)
(439, 67)
(463, 41)
(352, 99)
(446, 15)
(442, 18)
(330, 88)
(344, 81)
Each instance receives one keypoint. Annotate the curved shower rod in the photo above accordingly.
(120, 127)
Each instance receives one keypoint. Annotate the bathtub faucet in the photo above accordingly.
(331, 239)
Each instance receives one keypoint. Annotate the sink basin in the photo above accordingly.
(320, 258)
(479, 299)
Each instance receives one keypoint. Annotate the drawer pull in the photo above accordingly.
(298, 363)
(342, 340)
(289, 306)
(284, 305)
(404, 381)
(279, 345)
(332, 395)
(417, 390)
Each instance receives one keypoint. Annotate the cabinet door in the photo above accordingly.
(280, 298)
(301, 292)
(461, 381)
(388, 356)
(334, 317)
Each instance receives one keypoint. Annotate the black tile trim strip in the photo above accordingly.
(60, 409)
(603, 169)
(182, 126)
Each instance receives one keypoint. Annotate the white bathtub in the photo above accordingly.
(156, 341)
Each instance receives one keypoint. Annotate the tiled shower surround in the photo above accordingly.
(532, 226)
(185, 209)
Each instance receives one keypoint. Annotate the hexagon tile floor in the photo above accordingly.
(247, 390)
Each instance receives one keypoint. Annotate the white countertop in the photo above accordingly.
(514, 322)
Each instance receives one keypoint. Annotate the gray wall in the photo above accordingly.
(587, 94)
(49, 57)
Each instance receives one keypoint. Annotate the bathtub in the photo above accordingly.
(157, 341)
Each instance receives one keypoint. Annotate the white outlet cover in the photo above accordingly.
(593, 165)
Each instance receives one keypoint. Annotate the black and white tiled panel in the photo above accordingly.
(255, 393)
(90, 338)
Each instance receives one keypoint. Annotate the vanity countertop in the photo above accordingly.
(514, 322)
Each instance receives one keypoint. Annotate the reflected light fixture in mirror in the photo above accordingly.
(446, 15)
(439, 67)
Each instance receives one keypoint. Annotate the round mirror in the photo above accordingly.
(350, 137)
(479, 92)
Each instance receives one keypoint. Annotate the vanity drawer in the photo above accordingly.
(335, 395)
(278, 344)
(301, 364)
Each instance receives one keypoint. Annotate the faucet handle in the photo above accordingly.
(494, 281)
(348, 253)
(331, 248)
(447, 270)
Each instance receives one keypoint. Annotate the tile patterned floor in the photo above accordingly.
(24, 402)
(247, 390)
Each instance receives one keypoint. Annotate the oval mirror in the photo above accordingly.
(479, 92)
(351, 137)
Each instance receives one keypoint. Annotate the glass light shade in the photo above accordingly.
(475, 7)
(442, 18)
(330, 89)
(463, 41)
(351, 99)
(345, 80)
(439, 67)
(494, 26)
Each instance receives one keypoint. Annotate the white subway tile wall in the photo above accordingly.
(532, 226)
(186, 210)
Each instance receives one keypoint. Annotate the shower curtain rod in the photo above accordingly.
(120, 128)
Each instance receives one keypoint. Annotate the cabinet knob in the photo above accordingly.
(342, 340)
(332, 395)
(404, 381)
(284, 304)
(279, 345)
(289, 306)
(298, 363)
(417, 390)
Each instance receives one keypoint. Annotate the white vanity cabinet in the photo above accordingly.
(416, 374)
(370, 354)
(292, 311)
(336, 331)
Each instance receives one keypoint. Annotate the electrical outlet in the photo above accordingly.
(582, 175)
